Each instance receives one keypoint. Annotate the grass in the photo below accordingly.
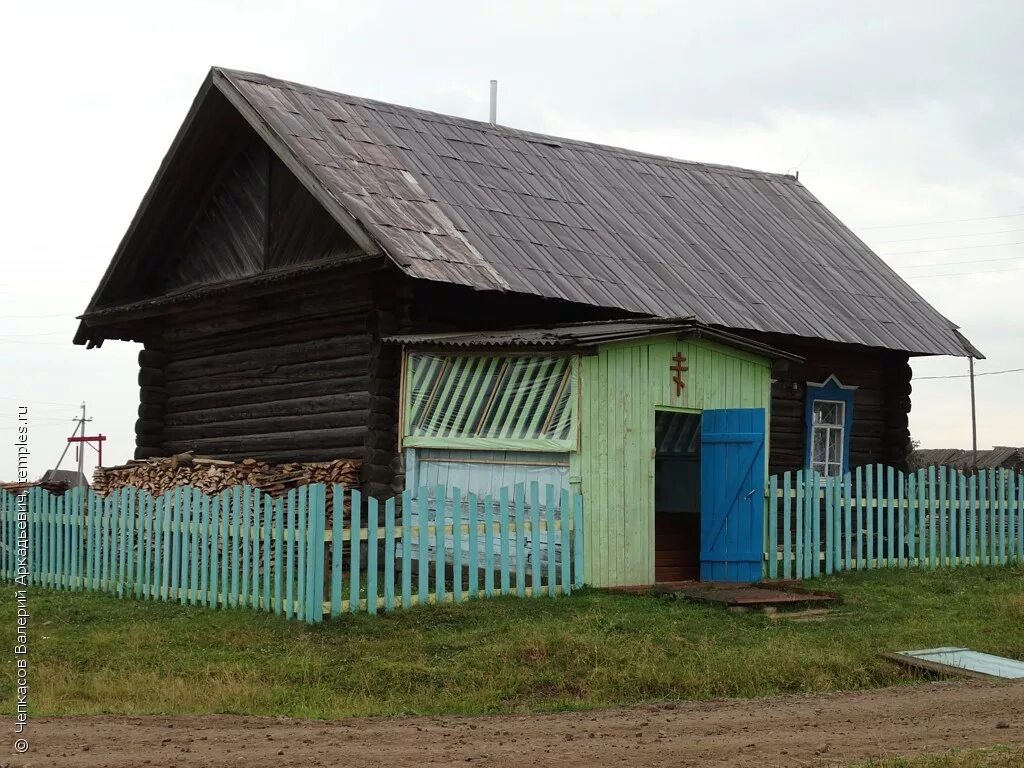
(990, 757)
(96, 654)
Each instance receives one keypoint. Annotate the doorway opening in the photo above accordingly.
(677, 474)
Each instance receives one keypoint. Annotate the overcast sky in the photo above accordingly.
(905, 118)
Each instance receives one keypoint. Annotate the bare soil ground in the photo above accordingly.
(818, 730)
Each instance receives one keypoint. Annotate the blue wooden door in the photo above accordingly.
(732, 481)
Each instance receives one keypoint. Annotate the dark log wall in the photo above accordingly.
(880, 430)
(283, 377)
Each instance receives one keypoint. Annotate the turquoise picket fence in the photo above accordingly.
(876, 517)
(316, 551)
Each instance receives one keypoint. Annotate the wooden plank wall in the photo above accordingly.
(621, 387)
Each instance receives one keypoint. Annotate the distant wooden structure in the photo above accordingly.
(999, 457)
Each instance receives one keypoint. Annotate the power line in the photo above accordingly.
(943, 237)
(957, 248)
(967, 375)
(955, 263)
(39, 402)
(944, 221)
(968, 272)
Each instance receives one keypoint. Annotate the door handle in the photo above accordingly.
(750, 493)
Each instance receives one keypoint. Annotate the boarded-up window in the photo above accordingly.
(516, 401)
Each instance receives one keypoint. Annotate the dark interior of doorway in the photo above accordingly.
(676, 496)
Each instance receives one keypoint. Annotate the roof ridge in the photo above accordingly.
(624, 152)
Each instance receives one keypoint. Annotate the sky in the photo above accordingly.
(904, 118)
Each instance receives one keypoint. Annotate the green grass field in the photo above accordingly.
(97, 654)
(992, 757)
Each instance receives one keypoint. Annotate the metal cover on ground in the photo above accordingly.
(962, 661)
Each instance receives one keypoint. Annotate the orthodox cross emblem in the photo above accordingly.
(677, 368)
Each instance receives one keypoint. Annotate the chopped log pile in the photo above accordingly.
(211, 475)
(55, 487)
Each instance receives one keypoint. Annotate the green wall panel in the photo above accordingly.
(620, 388)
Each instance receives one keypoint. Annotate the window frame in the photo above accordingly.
(543, 444)
(829, 391)
(830, 442)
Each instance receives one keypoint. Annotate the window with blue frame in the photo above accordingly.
(829, 420)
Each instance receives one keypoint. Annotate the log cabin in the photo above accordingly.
(314, 276)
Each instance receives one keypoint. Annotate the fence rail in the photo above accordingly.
(877, 517)
(298, 556)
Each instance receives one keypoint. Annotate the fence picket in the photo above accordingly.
(520, 529)
(245, 525)
(942, 518)
(1001, 535)
(870, 505)
(337, 547)
(983, 517)
(578, 554)
(406, 549)
(993, 516)
(389, 555)
(964, 513)
(829, 533)
(890, 520)
(488, 545)
(534, 537)
(474, 564)
(215, 550)
(265, 533)
(254, 536)
(954, 497)
(549, 535)
(289, 544)
(773, 527)
(974, 523)
(901, 521)
(63, 542)
(301, 535)
(457, 545)
(372, 524)
(814, 512)
(279, 556)
(564, 519)
(423, 560)
(798, 533)
(355, 547)
(440, 521)
(196, 535)
(1020, 518)
(310, 593)
(787, 525)
(1011, 522)
(503, 534)
(837, 509)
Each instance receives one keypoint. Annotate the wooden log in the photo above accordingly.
(245, 427)
(355, 401)
(199, 394)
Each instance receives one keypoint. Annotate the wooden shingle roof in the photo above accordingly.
(495, 208)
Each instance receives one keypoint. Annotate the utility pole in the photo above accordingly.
(79, 436)
(81, 446)
(974, 420)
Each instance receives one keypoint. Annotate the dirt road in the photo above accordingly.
(815, 730)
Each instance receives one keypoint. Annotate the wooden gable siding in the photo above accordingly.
(881, 403)
(256, 218)
(227, 238)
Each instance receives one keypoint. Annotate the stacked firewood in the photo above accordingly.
(212, 475)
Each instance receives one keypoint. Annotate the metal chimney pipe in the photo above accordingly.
(494, 102)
